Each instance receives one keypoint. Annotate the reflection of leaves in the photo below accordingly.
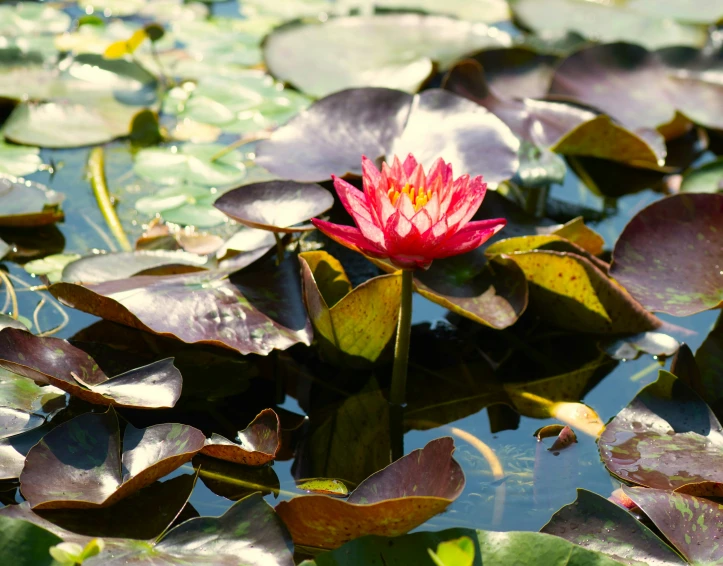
(666, 438)
(234, 481)
(666, 255)
(392, 501)
(597, 524)
(82, 464)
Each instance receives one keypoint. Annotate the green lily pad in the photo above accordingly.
(189, 163)
(670, 255)
(488, 11)
(51, 266)
(459, 552)
(255, 310)
(25, 544)
(256, 445)
(82, 463)
(395, 51)
(18, 392)
(490, 549)
(599, 525)
(666, 438)
(19, 160)
(605, 23)
(692, 524)
(58, 363)
(28, 18)
(707, 178)
(324, 486)
(609, 77)
(356, 323)
(392, 501)
(25, 203)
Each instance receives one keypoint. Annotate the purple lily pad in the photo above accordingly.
(666, 438)
(252, 311)
(330, 137)
(82, 463)
(257, 444)
(14, 449)
(670, 255)
(390, 502)
(644, 89)
(58, 363)
(692, 524)
(26, 203)
(597, 524)
(17, 421)
(278, 206)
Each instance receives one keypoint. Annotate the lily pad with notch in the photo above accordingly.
(278, 206)
(391, 502)
(56, 362)
(83, 464)
(256, 445)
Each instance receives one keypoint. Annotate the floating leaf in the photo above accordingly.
(356, 323)
(51, 266)
(56, 362)
(191, 163)
(234, 481)
(579, 234)
(394, 500)
(670, 256)
(605, 23)
(279, 206)
(395, 51)
(707, 178)
(609, 77)
(19, 160)
(666, 438)
(482, 11)
(382, 123)
(255, 310)
(21, 393)
(490, 548)
(691, 524)
(14, 449)
(25, 544)
(653, 343)
(82, 463)
(548, 431)
(17, 421)
(323, 486)
(25, 203)
(597, 524)
(257, 444)
(709, 361)
(458, 552)
(28, 18)
(564, 439)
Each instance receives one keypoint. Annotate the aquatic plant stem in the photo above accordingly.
(401, 349)
(100, 189)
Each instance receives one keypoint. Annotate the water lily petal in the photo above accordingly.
(370, 175)
(405, 206)
(410, 164)
(348, 236)
(469, 237)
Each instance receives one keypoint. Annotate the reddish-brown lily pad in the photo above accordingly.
(692, 524)
(257, 444)
(390, 502)
(597, 524)
(330, 137)
(82, 463)
(670, 255)
(56, 362)
(666, 438)
(279, 206)
(644, 89)
(252, 311)
(26, 203)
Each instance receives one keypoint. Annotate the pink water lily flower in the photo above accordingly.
(411, 218)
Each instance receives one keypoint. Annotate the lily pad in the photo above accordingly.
(691, 524)
(630, 347)
(13, 451)
(708, 361)
(19, 160)
(356, 323)
(394, 500)
(666, 438)
(255, 310)
(597, 524)
(707, 178)
(610, 77)
(32, 18)
(257, 444)
(98, 268)
(395, 51)
(279, 206)
(490, 549)
(191, 163)
(17, 421)
(18, 392)
(50, 266)
(25, 544)
(56, 362)
(488, 11)
(26, 203)
(670, 256)
(606, 23)
(382, 123)
(82, 463)
(235, 481)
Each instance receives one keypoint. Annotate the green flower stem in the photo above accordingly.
(401, 350)
(96, 168)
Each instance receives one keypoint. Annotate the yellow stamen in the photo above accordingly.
(418, 200)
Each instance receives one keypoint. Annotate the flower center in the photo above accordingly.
(418, 196)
